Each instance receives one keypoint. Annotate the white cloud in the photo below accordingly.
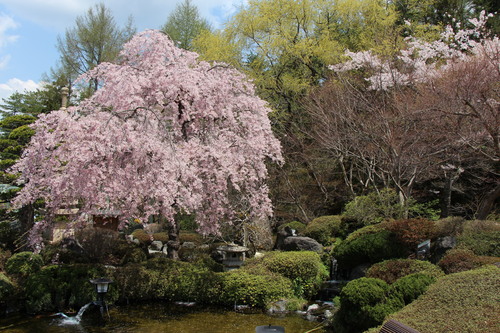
(6, 24)
(13, 85)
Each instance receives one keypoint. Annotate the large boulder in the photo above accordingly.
(297, 243)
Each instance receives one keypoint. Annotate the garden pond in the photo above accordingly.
(159, 317)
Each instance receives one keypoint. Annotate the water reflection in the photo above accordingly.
(158, 317)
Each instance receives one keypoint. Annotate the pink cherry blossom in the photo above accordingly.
(165, 133)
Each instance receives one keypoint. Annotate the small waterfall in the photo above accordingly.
(66, 320)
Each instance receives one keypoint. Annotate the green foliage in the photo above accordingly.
(10, 231)
(484, 243)
(369, 247)
(394, 269)
(57, 288)
(7, 288)
(375, 207)
(24, 264)
(240, 287)
(170, 280)
(386, 205)
(295, 225)
(462, 302)
(7, 143)
(324, 229)
(184, 24)
(22, 134)
(10, 123)
(410, 287)
(364, 303)
(142, 236)
(304, 268)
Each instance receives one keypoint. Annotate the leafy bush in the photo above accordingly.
(240, 287)
(324, 229)
(166, 279)
(369, 247)
(394, 269)
(304, 268)
(190, 236)
(364, 303)
(450, 226)
(161, 236)
(484, 243)
(375, 207)
(7, 288)
(410, 287)
(142, 236)
(411, 232)
(22, 134)
(462, 302)
(459, 260)
(295, 225)
(99, 244)
(57, 288)
(23, 264)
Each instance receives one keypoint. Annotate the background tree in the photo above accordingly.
(184, 24)
(19, 111)
(285, 46)
(177, 135)
(94, 39)
(415, 118)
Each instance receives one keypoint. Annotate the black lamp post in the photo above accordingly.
(101, 287)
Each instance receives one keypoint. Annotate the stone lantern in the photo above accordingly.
(233, 256)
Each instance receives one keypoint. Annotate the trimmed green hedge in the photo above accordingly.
(304, 268)
(461, 302)
(324, 229)
(370, 247)
(410, 287)
(23, 264)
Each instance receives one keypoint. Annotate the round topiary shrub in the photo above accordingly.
(410, 287)
(295, 225)
(23, 264)
(483, 243)
(459, 260)
(372, 247)
(324, 229)
(142, 236)
(364, 303)
(411, 232)
(304, 268)
(394, 269)
(240, 287)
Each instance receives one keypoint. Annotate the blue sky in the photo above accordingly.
(29, 31)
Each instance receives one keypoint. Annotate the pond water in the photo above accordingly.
(155, 318)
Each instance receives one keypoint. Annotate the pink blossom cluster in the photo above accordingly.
(165, 133)
(421, 61)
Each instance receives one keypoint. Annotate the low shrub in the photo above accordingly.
(364, 303)
(240, 287)
(142, 236)
(167, 279)
(295, 225)
(394, 269)
(59, 288)
(304, 268)
(483, 243)
(324, 229)
(459, 260)
(160, 236)
(371, 247)
(461, 302)
(23, 264)
(410, 287)
(190, 236)
(411, 232)
(7, 288)
(450, 226)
